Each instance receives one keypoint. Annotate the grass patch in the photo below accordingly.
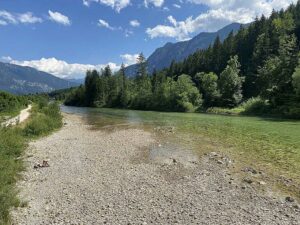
(13, 141)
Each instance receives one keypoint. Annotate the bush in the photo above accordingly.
(44, 122)
(255, 106)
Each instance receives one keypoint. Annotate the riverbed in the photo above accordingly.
(130, 167)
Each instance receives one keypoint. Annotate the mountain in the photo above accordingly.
(162, 57)
(76, 81)
(25, 80)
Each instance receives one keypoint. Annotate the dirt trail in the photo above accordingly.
(98, 177)
(24, 115)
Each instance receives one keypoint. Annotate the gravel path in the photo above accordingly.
(98, 177)
(24, 115)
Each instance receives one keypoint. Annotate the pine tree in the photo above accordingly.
(124, 98)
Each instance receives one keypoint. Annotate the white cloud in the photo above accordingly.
(59, 18)
(3, 23)
(134, 23)
(128, 32)
(61, 68)
(176, 6)
(6, 59)
(103, 23)
(156, 3)
(129, 59)
(17, 18)
(117, 5)
(220, 14)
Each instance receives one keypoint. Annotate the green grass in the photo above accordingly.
(272, 145)
(13, 141)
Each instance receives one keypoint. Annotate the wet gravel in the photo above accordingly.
(98, 177)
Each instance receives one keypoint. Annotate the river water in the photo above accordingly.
(171, 145)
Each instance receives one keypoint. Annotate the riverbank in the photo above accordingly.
(110, 176)
(13, 142)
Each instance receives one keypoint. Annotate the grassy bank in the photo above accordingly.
(44, 119)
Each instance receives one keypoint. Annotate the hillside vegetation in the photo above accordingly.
(10, 105)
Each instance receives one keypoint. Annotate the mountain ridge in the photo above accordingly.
(178, 51)
(27, 80)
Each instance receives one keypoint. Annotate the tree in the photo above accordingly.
(91, 87)
(142, 66)
(230, 83)
(143, 86)
(124, 98)
(208, 85)
(107, 71)
(185, 95)
(296, 79)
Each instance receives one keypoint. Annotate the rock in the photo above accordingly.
(249, 170)
(220, 162)
(262, 183)
(248, 180)
(174, 161)
(289, 199)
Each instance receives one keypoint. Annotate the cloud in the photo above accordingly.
(61, 68)
(3, 23)
(134, 23)
(128, 32)
(117, 5)
(129, 59)
(59, 18)
(176, 6)
(103, 23)
(6, 59)
(220, 14)
(17, 18)
(156, 3)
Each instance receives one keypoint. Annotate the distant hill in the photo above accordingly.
(25, 80)
(162, 57)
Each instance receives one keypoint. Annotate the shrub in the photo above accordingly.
(44, 122)
(255, 106)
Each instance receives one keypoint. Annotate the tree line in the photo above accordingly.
(260, 60)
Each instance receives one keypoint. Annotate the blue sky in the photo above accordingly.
(66, 37)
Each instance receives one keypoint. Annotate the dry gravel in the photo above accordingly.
(99, 177)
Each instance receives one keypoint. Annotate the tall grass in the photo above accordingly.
(13, 141)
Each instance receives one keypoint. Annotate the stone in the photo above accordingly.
(289, 199)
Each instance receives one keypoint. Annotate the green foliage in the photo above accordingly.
(11, 103)
(255, 106)
(186, 96)
(45, 120)
(296, 80)
(230, 84)
(208, 85)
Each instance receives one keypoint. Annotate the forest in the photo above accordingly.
(256, 70)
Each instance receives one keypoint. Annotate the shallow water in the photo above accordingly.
(252, 139)
(168, 148)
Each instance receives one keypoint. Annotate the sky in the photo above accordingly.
(67, 37)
